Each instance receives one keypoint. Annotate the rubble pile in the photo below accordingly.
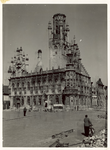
(63, 134)
(102, 116)
(99, 140)
(59, 143)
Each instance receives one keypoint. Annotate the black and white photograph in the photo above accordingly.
(55, 76)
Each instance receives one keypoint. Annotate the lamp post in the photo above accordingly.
(91, 94)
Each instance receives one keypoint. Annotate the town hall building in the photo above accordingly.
(65, 82)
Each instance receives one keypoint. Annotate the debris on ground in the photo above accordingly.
(99, 140)
(63, 134)
(59, 143)
(102, 116)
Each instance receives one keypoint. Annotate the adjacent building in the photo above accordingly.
(99, 94)
(6, 100)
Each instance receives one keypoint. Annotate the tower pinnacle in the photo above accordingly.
(74, 39)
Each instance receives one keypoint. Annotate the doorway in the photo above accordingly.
(63, 99)
(18, 102)
(71, 101)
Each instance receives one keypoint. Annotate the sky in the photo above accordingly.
(26, 26)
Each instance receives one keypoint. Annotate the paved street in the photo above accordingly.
(36, 127)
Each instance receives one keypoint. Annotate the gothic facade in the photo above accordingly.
(99, 94)
(65, 82)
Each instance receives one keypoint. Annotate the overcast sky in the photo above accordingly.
(27, 26)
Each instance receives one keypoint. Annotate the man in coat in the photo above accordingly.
(25, 111)
(87, 123)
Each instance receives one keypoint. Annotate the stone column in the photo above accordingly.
(25, 100)
(77, 97)
(68, 100)
(85, 101)
(42, 100)
(48, 100)
(71, 101)
(11, 101)
(79, 100)
(30, 100)
(74, 97)
(61, 33)
(91, 94)
(37, 100)
(20, 101)
(76, 105)
(53, 101)
(51, 98)
(60, 99)
(15, 100)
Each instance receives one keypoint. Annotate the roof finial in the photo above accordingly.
(74, 39)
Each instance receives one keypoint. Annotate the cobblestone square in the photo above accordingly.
(36, 129)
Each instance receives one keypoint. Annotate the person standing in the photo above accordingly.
(25, 111)
(87, 123)
(45, 106)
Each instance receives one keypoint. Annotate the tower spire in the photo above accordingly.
(74, 39)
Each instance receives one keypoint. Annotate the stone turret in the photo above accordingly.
(39, 63)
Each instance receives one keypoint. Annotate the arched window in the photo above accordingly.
(39, 102)
(28, 100)
(28, 85)
(22, 101)
(22, 84)
(34, 101)
(34, 84)
(57, 99)
(70, 60)
(57, 29)
(13, 85)
(17, 85)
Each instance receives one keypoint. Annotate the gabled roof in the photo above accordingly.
(99, 82)
(83, 70)
(5, 90)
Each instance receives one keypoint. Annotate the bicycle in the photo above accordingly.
(91, 130)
